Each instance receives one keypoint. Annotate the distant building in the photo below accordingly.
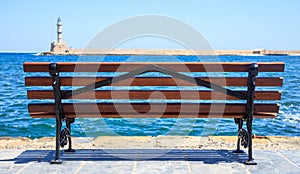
(59, 46)
(259, 51)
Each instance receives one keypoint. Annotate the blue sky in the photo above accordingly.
(30, 26)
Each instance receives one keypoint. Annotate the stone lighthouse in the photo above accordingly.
(58, 46)
(59, 31)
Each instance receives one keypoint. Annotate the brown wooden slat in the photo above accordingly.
(154, 108)
(162, 94)
(260, 115)
(175, 66)
(153, 81)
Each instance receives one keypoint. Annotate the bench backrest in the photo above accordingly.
(171, 95)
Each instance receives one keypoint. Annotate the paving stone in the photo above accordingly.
(9, 154)
(229, 168)
(270, 162)
(46, 167)
(161, 167)
(107, 167)
(292, 155)
(6, 168)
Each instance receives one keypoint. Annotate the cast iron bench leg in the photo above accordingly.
(250, 160)
(57, 159)
(69, 121)
(240, 126)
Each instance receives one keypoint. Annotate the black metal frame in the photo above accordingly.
(59, 114)
(64, 136)
(253, 72)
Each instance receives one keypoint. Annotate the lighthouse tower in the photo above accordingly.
(59, 47)
(59, 31)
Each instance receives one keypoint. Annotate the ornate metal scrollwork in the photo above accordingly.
(243, 136)
(64, 137)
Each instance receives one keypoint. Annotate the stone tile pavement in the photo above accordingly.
(139, 161)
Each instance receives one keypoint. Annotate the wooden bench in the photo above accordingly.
(197, 95)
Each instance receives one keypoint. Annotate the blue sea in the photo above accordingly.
(15, 120)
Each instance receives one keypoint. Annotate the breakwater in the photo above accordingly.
(165, 52)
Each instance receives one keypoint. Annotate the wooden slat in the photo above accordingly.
(175, 66)
(154, 94)
(260, 115)
(151, 109)
(153, 81)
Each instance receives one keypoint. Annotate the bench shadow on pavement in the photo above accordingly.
(205, 156)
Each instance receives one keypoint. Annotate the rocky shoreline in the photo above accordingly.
(148, 142)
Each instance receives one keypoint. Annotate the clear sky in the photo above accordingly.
(30, 25)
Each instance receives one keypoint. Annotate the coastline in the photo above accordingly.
(174, 52)
(148, 142)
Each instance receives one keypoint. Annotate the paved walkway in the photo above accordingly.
(148, 161)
